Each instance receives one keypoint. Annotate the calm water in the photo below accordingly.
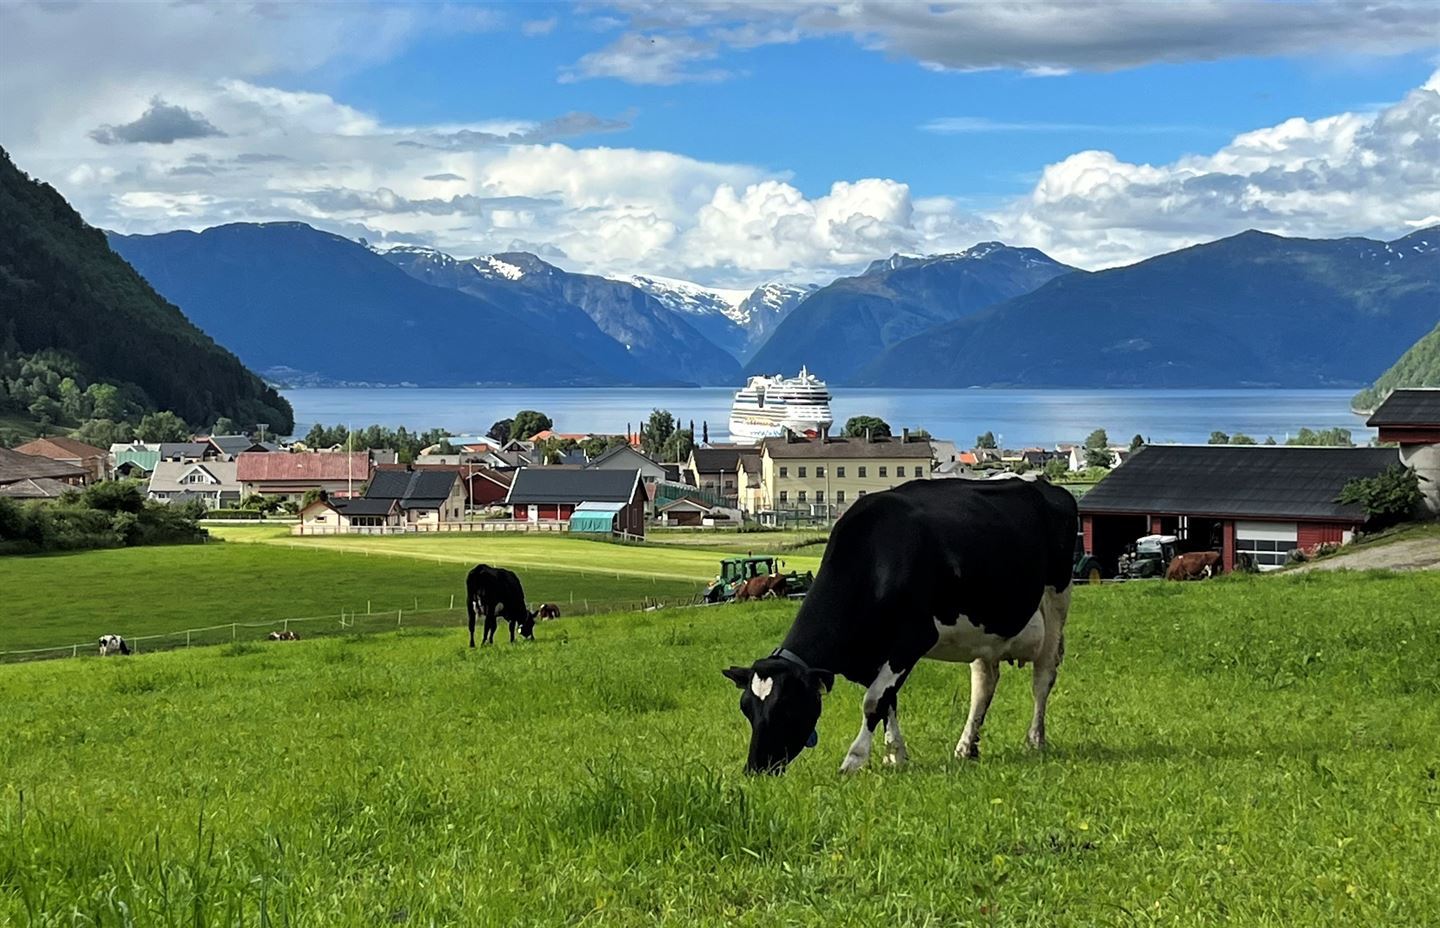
(1018, 417)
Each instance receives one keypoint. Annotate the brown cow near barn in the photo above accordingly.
(1198, 565)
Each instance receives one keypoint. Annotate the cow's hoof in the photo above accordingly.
(896, 759)
(966, 750)
(1035, 742)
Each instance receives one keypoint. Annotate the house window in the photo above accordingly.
(800, 471)
(839, 496)
(784, 496)
(819, 470)
(802, 496)
(860, 494)
(840, 470)
(918, 471)
(862, 470)
(884, 471)
(819, 496)
(784, 471)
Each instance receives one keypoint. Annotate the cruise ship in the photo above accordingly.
(766, 406)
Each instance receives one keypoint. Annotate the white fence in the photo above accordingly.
(494, 525)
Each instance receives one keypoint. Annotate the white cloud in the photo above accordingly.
(977, 125)
(649, 59)
(534, 27)
(1353, 173)
(1041, 38)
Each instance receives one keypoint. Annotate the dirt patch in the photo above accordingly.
(1410, 554)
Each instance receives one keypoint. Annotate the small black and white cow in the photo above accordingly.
(953, 570)
(113, 644)
(495, 590)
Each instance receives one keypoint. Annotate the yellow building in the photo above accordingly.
(823, 476)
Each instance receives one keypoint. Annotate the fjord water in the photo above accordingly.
(1018, 417)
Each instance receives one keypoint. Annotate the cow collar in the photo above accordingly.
(790, 657)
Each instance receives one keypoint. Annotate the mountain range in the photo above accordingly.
(1254, 309)
(1419, 366)
(1251, 310)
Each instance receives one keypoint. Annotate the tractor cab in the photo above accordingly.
(1148, 556)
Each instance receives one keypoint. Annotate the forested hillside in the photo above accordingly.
(1417, 367)
(65, 294)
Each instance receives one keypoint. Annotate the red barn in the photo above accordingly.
(552, 494)
(1262, 501)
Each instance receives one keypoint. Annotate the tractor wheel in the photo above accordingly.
(1093, 576)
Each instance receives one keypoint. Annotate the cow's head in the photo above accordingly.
(781, 698)
(527, 624)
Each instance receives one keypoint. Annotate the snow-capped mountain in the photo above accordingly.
(737, 320)
(690, 298)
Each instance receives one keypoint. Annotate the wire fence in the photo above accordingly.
(341, 622)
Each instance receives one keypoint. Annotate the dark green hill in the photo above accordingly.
(1250, 310)
(1417, 367)
(63, 289)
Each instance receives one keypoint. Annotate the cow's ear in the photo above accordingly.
(740, 676)
(824, 679)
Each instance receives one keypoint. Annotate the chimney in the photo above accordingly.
(824, 434)
(904, 436)
(867, 436)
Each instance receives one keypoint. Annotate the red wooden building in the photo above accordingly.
(1263, 501)
(552, 494)
(1411, 419)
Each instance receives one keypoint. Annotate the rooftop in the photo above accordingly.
(1262, 481)
(563, 485)
(257, 466)
(419, 489)
(16, 466)
(1410, 407)
(60, 447)
(845, 448)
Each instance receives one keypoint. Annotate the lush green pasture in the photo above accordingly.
(74, 598)
(1251, 751)
(666, 561)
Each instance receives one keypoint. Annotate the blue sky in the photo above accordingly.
(733, 143)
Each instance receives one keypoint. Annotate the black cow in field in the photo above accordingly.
(493, 590)
(953, 570)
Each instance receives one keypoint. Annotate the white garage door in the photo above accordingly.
(1268, 543)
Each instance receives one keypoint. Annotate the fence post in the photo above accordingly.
(452, 601)
(187, 637)
(367, 607)
(397, 617)
(74, 650)
(232, 631)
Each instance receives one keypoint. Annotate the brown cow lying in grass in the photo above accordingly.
(1198, 565)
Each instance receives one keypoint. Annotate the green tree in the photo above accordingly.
(106, 401)
(1056, 469)
(1136, 443)
(501, 430)
(1387, 498)
(1097, 449)
(72, 400)
(1097, 439)
(553, 450)
(1219, 438)
(162, 426)
(102, 433)
(1332, 436)
(857, 426)
(225, 426)
(1270, 439)
(311, 495)
(1240, 438)
(678, 446)
(656, 432)
(529, 421)
(985, 441)
(444, 447)
(114, 496)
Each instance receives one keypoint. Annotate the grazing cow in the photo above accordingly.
(1197, 565)
(754, 588)
(495, 590)
(954, 570)
(548, 611)
(112, 644)
(286, 635)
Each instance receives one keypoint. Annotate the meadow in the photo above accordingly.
(1259, 751)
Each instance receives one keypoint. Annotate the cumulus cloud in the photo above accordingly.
(976, 125)
(533, 27)
(567, 126)
(446, 176)
(1042, 38)
(161, 124)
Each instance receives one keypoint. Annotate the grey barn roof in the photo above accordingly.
(1238, 481)
(15, 466)
(557, 485)
(1408, 407)
(364, 506)
(714, 460)
(421, 489)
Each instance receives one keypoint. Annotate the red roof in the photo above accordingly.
(262, 466)
(60, 448)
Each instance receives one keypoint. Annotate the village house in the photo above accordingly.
(427, 498)
(31, 476)
(135, 459)
(212, 482)
(94, 461)
(289, 475)
(554, 495)
(690, 512)
(484, 486)
(329, 516)
(186, 451)
(824, 475)
(1255, 502)
(229, 447)
(715, 468)
(624, 457)
(1411, 419)
(749, 482)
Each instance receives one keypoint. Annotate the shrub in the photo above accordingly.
(1387, 498)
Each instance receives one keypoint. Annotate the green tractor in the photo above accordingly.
(735, 571)
(1086, 567)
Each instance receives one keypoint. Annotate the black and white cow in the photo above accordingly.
(494, 590)
(953, 570)
(113, 644)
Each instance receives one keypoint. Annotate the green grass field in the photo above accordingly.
(64, 599)
(1252, 751)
